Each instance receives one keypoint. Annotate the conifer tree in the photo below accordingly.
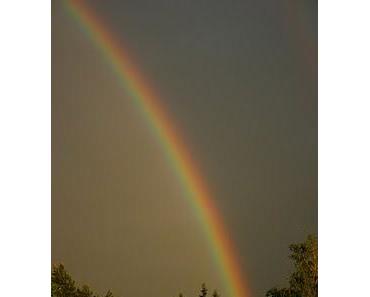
(203, 291)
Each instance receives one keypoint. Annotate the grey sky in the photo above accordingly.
(239, 78)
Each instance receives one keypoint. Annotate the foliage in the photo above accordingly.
(304, 280)
(62, 285)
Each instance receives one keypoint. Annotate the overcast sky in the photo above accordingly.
(239, 78)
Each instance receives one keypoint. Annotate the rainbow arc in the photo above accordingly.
(176, 152)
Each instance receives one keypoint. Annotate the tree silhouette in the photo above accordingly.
(304, 280)
(203, 291)
(62, 285)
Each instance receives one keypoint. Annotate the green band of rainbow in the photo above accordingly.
(175, 150)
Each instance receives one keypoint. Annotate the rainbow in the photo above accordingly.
(175, 150)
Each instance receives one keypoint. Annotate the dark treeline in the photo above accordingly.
(62, 285)
(303, 282)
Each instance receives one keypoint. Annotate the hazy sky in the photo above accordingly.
(239, 78)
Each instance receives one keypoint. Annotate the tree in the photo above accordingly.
(203, 291)
(304, 280)
(62, 285)
(305, 257)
